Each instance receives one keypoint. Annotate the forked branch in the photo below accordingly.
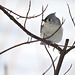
(24, 16)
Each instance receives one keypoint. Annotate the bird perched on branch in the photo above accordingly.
(51, 30)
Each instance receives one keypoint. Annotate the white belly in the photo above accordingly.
(49, 30)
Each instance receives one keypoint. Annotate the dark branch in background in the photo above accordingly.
(12, 18)
(23, 16)
(68, 70)
(50, 58)
(49, 67)
(71, 15)
(72, 47)
(26, 31)
(41, 20)
(17, 46)
(27, 13)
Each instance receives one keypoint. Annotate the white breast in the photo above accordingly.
(49, 29)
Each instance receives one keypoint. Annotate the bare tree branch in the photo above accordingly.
(26, 31)
(27, 13)
(41, 20)
(72, 47)
(62, 55)
(68, 70)
(50, 58)
(70, 14)
(66, 44)
(17, 46)
(49, 67)
(63, 51)
(29, 33)
(23, 16)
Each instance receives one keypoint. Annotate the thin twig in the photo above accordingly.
(24, 16)
(50, 58)
(68, 70)
(17, 46)
(27, 13)
(49, 67)
(41, 20)
(66, 44)
(70, 14)
(72, 47)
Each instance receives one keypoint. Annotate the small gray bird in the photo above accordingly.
(51, 24)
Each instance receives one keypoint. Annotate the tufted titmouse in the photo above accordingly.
(51, 24)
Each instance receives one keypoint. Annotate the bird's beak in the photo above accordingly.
(43, 20)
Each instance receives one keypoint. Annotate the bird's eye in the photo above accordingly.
(50, 20)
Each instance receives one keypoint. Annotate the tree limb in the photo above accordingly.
(62, 55)
(50, 58)
(26, 31)
(17, 46)
(24, 16)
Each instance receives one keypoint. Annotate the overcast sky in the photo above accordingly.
(32, 59)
